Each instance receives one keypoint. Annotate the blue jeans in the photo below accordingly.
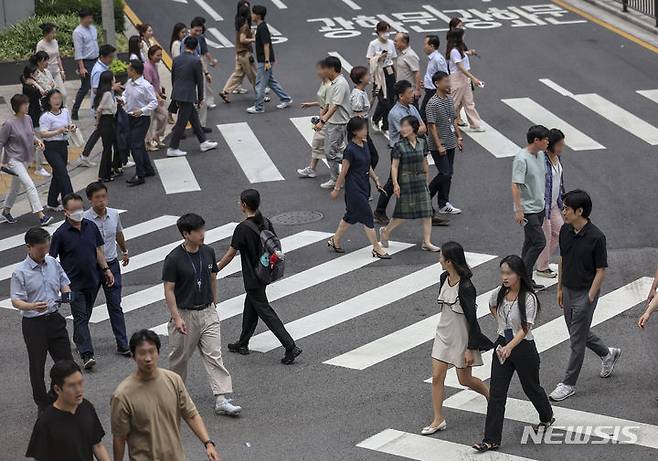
(113, 301)
(265, 78)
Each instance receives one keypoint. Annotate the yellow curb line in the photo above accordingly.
(134, 19)
(607, 25)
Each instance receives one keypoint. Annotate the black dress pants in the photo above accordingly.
(257, 306)
(57, 153)
(534, 240)
(42, 335)
(186, 113)
(106, 129)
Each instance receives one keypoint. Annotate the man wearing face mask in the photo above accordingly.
(381, 53)
(79, 245)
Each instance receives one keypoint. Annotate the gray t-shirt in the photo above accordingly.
(441, 112)
(529, 172)
(508, 314)
(339, 95)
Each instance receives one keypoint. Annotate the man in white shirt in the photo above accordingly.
(407, 65)
(85, 45)
(381, 53)
(436, 63)
(139, 101)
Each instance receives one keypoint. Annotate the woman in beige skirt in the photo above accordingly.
(458, 340)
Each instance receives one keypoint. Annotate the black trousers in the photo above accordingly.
(534, 240)
(186, 113)
(137, 129)
(423, 105)
(91, 142)
(374, 155)
(85, 85)
(384, 104)
(385, 197)
(106, 130)
(524, 359)
(257, 306)
(42, 335)
(57, 154)
(440, 184)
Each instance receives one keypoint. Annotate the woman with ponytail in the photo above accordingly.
(247, 241)
(515, 306)
(458, 340)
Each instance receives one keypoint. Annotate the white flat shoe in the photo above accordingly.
(429, 430)
(430, 247)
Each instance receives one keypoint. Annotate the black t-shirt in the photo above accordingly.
(192, 274)
(582, 254)
(262, 37)
(63, 436)
(247, 242)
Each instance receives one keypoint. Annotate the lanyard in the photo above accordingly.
(509, 311)
(197, 274)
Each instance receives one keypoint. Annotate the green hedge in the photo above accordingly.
(57, 7)
(19, 41)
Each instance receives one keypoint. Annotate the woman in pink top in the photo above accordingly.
(159, 117)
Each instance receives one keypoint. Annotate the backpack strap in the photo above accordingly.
(252, 225)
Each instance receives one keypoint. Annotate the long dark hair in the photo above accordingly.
(243, 15)
(454, 252)
(133, 46)
(45, 102)
(455, 39)
(516, 265)
(251, 199)
(174, 34)
(104, 85)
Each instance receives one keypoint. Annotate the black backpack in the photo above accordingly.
(271, 264)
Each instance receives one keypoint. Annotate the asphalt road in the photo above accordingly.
(315, 411)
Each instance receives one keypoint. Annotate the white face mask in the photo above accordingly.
(76, 216)
(385, 35)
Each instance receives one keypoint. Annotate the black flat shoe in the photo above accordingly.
(135, 181)
(291, 355)
(486, 446)
(238, 349)
(205, 129)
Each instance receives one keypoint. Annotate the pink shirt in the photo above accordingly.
(152, 76)
(17, 138)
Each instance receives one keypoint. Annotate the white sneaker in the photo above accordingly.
(284, 104)
(240, 91)
(211, 105)
(608, 362)
(207, 145)
(477, 130)
(449, 209)
(225, 407)
(84, 161)
(307, 172)
(561, 392)
(253, 110)
(175, 152)
(329, 184)
(267, 99)
(267, 90)
(41, 171)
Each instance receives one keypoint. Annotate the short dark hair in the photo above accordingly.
(401, 86)
(17, 101)
(357, 73)
(84, 13)
(61, 370)
(578, 198)
(137, 65)
(405, 37)
(191, 43)
(554, 137)
(36, 236)
(197, 22)
(382, 26)
(68, 197)
(259, 10)
(411, 120)
(333, 62)
(94, 187)
(190, 222)
(536, 132)
(143, 336)
(106, 50)
(438, 76)
(433, 40)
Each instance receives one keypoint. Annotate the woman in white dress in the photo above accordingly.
(458, 340)
(49, 44)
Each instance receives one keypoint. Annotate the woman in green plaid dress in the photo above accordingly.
(409, 174)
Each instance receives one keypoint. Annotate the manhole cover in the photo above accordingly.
(290, 218)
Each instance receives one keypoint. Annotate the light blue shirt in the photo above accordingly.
(397, 113)
(139, 95)
(109, 226)
(437, 62)
(33, 282)
(85, 42)
(96, 72)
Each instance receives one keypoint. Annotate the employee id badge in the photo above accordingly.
(509, 335)
(452, 127)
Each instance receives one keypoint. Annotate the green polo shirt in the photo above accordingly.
(529, 173)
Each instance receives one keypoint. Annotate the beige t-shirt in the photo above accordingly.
(52, 48)
(339, 94)
(406, 66)
(148, 413)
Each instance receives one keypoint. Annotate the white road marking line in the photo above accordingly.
(279, 4)
(551, 334)
(423, 448)
(575, 139)
(554, 86)
(224, 42)
(19, 239)
(176, 175)
(304, 126)
(492, 140)
(615, 114)
(248, 151)
(289, 244)
(209, 9)
(266, 341)
(401, 340)
(649, 94)
(343, 62)
(352, 4)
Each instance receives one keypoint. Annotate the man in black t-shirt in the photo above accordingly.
(264, 63)
(583, 260)
(69, 429)
(190, 288)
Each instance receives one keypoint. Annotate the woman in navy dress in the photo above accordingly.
(355, 174)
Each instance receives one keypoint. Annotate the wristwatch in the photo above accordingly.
(104, 269)
(205, 444)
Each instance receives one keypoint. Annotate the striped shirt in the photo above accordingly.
(441, 112)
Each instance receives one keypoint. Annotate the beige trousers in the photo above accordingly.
(462, 96)
(202, 334)
(243, 68)
(158, 123)
(317, 144)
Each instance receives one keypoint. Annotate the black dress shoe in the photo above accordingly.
(206, 129)
(124, 352)
(290, 356)
(239, 349)
(135, 181)
(440, 222)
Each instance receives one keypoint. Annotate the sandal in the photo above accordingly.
(224, 96)
(380, 255)
(331, 244)
(486, 446)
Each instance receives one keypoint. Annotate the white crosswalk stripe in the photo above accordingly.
(176, 175)
(649, 94)
(492, 140)
(347, 67)
(250, 154)
(224, 42)
(209, 9)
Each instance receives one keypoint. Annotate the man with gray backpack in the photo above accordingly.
(262, 263)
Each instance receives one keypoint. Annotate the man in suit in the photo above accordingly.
(187, 93)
